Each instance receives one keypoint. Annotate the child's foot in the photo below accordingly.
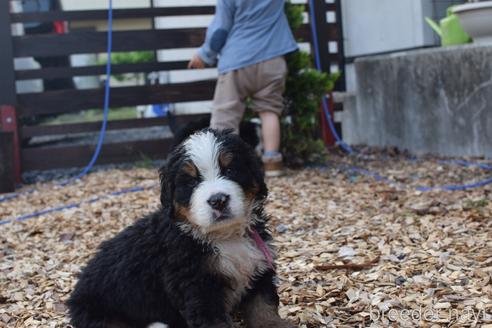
(272, 162)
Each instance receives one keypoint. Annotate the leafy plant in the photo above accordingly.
(305, 88)
(131, 57)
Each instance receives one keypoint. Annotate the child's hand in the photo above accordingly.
(196, 62)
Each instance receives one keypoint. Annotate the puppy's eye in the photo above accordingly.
(186, 179)
(228, 171)
(192, 181)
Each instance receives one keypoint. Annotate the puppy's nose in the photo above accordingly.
(218, 201)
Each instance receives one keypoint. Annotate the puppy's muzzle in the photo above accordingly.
(220, 205)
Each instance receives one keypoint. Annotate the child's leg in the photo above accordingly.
(228, 106)
(268, 102)
(270, 129)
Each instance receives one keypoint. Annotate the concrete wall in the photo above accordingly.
(372, 26)
(428, 101)
(377, 26)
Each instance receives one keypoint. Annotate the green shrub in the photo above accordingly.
(131, 57)
(305, 87)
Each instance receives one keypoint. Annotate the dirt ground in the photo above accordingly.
(355, 249)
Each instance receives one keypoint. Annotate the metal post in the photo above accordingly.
(8, 123)
(341, 83)
(321, 31)
(7, 82)
(324, 33)
(8, 96)
(7, 179)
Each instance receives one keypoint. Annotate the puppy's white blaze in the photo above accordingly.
(202, 213)
(203, 149)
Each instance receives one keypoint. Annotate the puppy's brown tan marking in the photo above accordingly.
(190, 169)
(182, 212)
(225, 159)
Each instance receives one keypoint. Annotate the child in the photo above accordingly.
(250, 39)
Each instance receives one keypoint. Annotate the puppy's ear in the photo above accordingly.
(166, 175)
(263, 188)
(263, 191)
(182, 133)
(259, 175)
(167, 187)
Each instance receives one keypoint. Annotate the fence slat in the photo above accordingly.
(133, 13)
(46, 158)
(66, 101)
(81, 15)
(63, 72)
(45, 130)
(84, 42)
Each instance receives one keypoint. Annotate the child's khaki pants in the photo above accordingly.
(264, 83)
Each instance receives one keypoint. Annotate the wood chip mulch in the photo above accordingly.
(352, 251)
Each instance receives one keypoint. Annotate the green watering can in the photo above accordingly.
(450, 29)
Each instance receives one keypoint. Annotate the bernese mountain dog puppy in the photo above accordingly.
(197, 261)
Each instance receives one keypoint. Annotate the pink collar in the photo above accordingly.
(262, 246)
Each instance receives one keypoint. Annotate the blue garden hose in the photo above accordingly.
(74, 205)
(107, 94)
(102, 133)
(380, 178)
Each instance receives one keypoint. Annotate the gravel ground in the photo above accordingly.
(352, 251)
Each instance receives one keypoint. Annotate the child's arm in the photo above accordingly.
(216, 36)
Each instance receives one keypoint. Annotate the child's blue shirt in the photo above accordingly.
(247, 32)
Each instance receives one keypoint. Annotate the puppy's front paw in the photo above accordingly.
(275, 323)
(221, 325)
(285, 324)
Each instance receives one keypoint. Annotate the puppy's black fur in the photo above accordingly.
(153, 272)
(247, 131)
